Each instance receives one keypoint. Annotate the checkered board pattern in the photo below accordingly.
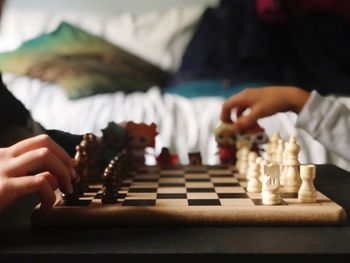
(188, 195)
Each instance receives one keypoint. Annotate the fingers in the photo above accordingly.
(241, 101)
(248, 121)
(17, 187)
(42, 160)
(43, 141)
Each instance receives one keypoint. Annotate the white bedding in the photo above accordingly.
(184, 124)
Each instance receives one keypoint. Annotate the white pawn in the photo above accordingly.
(271, 185)
(272, 147)
(251, 160)
(307, 192)
(254, 184)
(279, 155)
(263, 163)
(292, 178)
(243, 164)
(283, 171)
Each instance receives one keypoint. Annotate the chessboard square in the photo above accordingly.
(237, 202)
(127, 181)
(201, 180)
(93, 190)
(202, 196)
(171, 202)
(98, 196)
(171, 196)
(141, 196)
(146, 177)
(144, 185)
(257, 202)
(204, 202)
(200, 190)
(243, 184)
(171, 172)
(148, 169)
(172, 180)
(143, 190)
(129, 202)
(145, 180)
(224, 180)
(289, 195)
(233, 195)
(220, 172)
(97, 186)
(123, 190)
(172, 185)
(199, 185)
(171, 176)
(195, 169)
(172, 190)
(254, 195)
(226, 184)
(90, 194)
(234, 189)
(197, 176)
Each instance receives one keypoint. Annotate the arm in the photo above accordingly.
(326, 120)
(36, 165)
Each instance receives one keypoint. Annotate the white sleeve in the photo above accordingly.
(328, 121)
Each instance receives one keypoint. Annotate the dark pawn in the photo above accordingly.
(110, 183)
(195, 158)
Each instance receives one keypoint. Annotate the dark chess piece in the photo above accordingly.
(111, 183)
(195, 158)
(164, 158)
(79, 183)
(123, 165)
(92, 148)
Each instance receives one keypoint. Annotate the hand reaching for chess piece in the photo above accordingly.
(34, 166)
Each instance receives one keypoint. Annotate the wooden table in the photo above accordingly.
(174, 243)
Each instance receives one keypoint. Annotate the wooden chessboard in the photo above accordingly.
(185, 195)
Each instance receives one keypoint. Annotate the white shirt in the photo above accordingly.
(328, 121)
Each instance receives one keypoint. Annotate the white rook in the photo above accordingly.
(307, 192)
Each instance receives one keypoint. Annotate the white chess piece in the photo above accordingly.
(253, 174)
(251, 160)
(307, 191)
(279, 156)
(292, 178)
(272, 147)
(271, 185)
(283, 171)
(263, 163)
(243, 164)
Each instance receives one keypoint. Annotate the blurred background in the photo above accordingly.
(78, 64)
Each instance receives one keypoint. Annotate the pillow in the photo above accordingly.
(83, 64)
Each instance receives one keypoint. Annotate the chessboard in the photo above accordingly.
(187, 195)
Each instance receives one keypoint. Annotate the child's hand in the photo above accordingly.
(263, 102)
(36, 165)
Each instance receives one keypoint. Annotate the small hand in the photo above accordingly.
(262, 102)
(35, 165)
